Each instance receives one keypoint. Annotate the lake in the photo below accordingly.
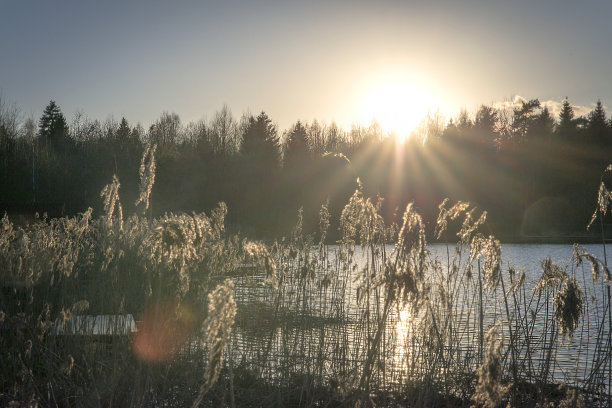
(314, 322)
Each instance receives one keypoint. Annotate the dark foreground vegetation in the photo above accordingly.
(223, 320)
(535, 173)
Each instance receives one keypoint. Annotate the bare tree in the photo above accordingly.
(167, 131)
(224, 132)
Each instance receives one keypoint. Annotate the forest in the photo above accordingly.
(536, 174)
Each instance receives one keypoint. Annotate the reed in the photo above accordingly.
(227, 321)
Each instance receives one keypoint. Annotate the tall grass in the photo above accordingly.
(226, 321)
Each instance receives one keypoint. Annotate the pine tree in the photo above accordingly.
(52, 127)
(55, 161)
(544, 124)
(486, 117)
(123, 133)
(260, 142)
(484, 126)
(598, 134)
(523, 119)
(597, 125)
(125, 138)
(297, 166)
(260, 153)
(566, 116)
(297, 151)
(567, 125)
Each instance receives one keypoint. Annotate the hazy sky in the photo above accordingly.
(298, 60)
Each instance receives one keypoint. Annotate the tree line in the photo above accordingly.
(534, 173)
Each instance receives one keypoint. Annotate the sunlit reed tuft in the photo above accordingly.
(217, 328)
(489, 389)
(147, 176)
(110, 194)
(569, 303)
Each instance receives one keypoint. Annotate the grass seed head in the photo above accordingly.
(217, 329)
(489, 389)
(147, 176)
(569, 303)
(552, 276)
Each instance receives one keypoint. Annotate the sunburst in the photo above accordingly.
(397, 104)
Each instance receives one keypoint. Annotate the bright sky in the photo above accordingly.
(328, 60)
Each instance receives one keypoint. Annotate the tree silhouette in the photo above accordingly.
(523, 119)
(297, 151)
(166, 132)
(223, 132)
(297, 163)
(123, 135)
(54, 159)
(464, 122)
(333, 141)
(505, 160)
(544, 125)
(260, 153)
(317, 138)
(260, 142)
(567, 124)
(597, 125)
(484, 126)
(52, 126)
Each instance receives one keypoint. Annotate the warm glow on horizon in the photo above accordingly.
(398, 104)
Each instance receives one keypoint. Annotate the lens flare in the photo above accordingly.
(163, 329)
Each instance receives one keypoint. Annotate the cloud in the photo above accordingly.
(509, 104)
(554, 106)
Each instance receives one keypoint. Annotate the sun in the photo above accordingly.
(397, 104)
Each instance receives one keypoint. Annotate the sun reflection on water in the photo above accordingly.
(403, 330)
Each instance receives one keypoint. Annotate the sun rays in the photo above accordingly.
(398, 103)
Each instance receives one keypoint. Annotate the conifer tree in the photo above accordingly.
(567, 124)
(544, 124)
(297, 150)
(123, 133)
(597, 125)
(260, 153)
(260, 143)
(523, 119)
(484, 126)
(297, 166)
(566, 116)
(52, 126)
(486, 118)
(126, 139)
